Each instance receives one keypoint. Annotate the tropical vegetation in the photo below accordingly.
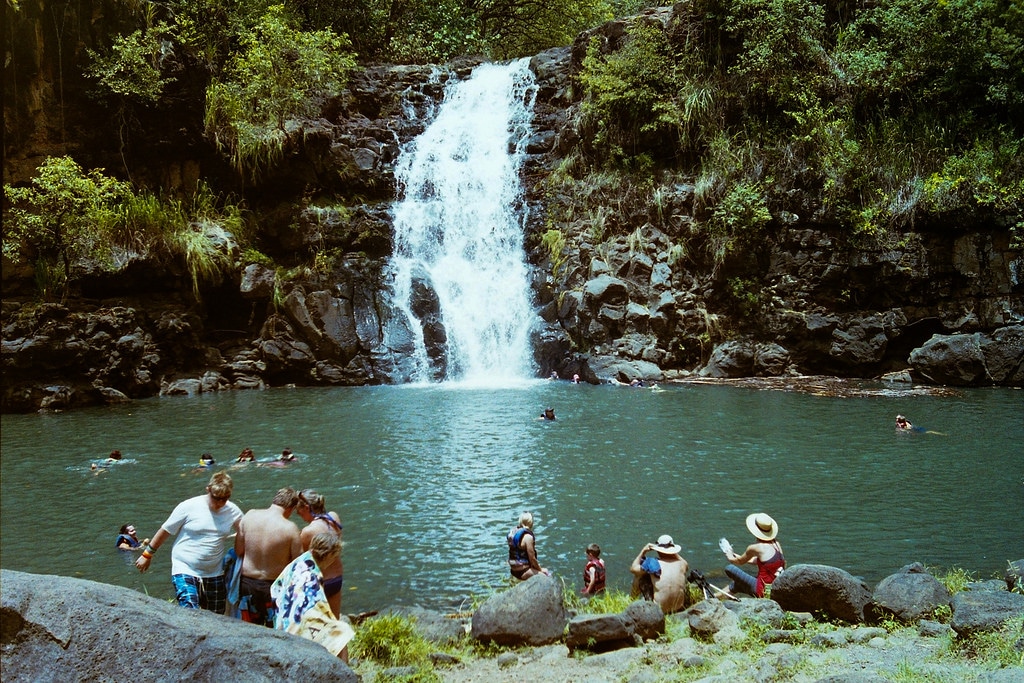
(878, 119)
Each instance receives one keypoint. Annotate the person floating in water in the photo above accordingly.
(114, 456)
(246, 455)
(575, 379)
(127, 540)
(903, 423)
(553, 375)
(548, 415)
(287, 455)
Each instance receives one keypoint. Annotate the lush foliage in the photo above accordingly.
(423, 31)
(132, 66)
(892, 116)
(69, 218)
(277, 75)
(65, 216)
(391, 640)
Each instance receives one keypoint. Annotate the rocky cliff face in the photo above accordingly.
(926, 307)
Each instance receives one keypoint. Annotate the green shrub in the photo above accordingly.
(278, 74)
(391, 640)
(64, 216)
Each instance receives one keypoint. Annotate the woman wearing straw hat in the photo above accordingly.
(766, 553)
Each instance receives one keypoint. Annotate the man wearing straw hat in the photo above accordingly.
(766, 553)
(665, 575)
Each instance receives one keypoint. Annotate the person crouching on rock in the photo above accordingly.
(522, 550)
(662, 578)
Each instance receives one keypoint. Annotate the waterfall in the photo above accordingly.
(458, 276)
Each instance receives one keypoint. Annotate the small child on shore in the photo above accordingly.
(593, 572)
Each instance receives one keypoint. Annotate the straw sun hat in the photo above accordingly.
(665, 546)
(762, 526)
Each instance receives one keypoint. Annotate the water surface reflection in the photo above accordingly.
(427, 479)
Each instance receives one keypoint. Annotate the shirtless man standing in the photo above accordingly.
(313, 510)
(267, 542)
(667, 573)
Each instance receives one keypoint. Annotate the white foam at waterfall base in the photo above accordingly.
(459, 226)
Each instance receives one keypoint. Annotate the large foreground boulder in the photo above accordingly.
(56, 628)
(531, 613)
(821, 589)
(910, 594)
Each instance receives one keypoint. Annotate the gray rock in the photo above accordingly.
(864, 635)
(986, 585)
(932, 629)
(598, 632)
(605, 290)
(758, 610)
(954, 359)
(909, 595)
(779, 635)
(708, 617)
(823, 589)
(531, 613)
(730, 359)
(433, 626)
(980, 611)
(854, 677)
(1004, 355)
(831, 638)
(258, 282)
(62, 629)
(645, 618)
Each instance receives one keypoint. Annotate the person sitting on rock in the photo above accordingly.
(766, 553)
(522, 550)
(662, 578)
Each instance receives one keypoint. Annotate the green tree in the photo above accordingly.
(278, 74)
(64, 216)
(630, 96)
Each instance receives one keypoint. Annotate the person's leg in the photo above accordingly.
(186, 589)
(214, 594)
(741, 580)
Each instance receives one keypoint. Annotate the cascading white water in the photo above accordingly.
(459, 234)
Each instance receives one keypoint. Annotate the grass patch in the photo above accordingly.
(998, 648)
(391, 640)
(955, 579)
(606, 602)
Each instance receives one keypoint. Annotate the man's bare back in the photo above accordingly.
(670, 587)
(269, 541)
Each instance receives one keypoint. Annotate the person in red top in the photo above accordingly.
(593, 572)
(766, 553)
